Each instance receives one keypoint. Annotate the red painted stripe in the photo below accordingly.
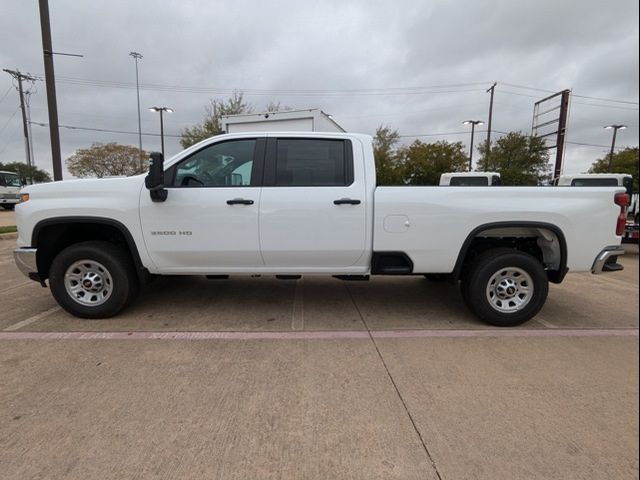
(319, 335)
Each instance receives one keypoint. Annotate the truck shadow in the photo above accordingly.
(312, 303)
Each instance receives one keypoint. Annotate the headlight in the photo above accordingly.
(24, 197)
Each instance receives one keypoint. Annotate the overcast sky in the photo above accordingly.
(419, 67)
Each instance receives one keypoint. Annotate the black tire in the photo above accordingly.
(519, 303)
(117, 263)
(9, 206)
(436, 277)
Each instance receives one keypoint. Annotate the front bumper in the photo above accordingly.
(25, 258)
(609, 254)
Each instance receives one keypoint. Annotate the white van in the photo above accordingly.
(10, 185)
(470, 179)
(631, 233)
(596, 180)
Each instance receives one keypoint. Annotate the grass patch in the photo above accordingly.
(8, 229)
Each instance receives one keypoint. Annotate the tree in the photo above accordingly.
(388, 170)
(423, 163)
(102, 160)
(274, 106)
(520, 159)
(26, 173)
(624, 161)
(211, 125)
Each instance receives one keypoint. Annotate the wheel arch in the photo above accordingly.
(555, 254)
(62, 232)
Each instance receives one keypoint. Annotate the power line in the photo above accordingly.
(574, 102)
(416, 90)
(5, 94)
(104, 130)
(10, 118)
(606, 99)
(524, 87)
(605, 106)
(442, 134)
(292, 92)
(594, 145)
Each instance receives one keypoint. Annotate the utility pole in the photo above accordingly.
(490, 89)
(52, 104)
(19, 77)
(137, 56)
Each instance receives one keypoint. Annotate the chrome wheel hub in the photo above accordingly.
(88, 282)
(509, 289)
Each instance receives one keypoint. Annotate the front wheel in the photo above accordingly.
(505, 287)
(93, 279)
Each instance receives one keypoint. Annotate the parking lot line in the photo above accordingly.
(30, 320)
(10, 334)
(8, 289)
(545, 323)
(297, 312)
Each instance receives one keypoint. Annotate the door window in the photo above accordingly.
(226, 164)
(302, 162)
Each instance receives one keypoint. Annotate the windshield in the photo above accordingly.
(8, 179)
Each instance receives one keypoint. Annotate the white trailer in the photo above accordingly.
(312, 120)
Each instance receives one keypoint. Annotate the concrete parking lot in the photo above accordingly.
(318, 378)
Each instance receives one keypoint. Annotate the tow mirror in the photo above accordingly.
(154, 181)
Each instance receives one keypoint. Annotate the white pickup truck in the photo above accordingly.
(291, 204)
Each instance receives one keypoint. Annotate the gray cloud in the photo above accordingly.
(588, 46)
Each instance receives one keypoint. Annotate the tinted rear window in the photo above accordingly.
(469, 181)
(311, 162)
(594, 182)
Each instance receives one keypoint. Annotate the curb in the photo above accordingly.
(8, 236)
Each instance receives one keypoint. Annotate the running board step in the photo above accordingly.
(352, 278)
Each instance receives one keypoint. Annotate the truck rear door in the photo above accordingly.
(312, 209)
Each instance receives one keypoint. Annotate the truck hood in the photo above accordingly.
(80, 188)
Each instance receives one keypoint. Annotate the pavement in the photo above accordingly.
(7, 217)
(319, 378)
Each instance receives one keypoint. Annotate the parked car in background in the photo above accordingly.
(632, 228)
(470, 179)
(10, 185)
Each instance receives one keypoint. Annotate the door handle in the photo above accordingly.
(239, 201)
(346, 201)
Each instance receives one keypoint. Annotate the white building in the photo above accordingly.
(313, 120)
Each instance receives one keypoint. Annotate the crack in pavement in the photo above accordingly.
(395, 386)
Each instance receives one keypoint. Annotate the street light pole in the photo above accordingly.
(161, 110)
(615, 129)
(136, 56)
(473, 124)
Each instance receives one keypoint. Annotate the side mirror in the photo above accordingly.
(154, 181)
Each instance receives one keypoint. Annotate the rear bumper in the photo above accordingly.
(26, 261)
(607, 253)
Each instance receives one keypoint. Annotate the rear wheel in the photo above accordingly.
(505, 287)
(93, 279)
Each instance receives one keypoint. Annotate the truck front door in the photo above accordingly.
(209, 221)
